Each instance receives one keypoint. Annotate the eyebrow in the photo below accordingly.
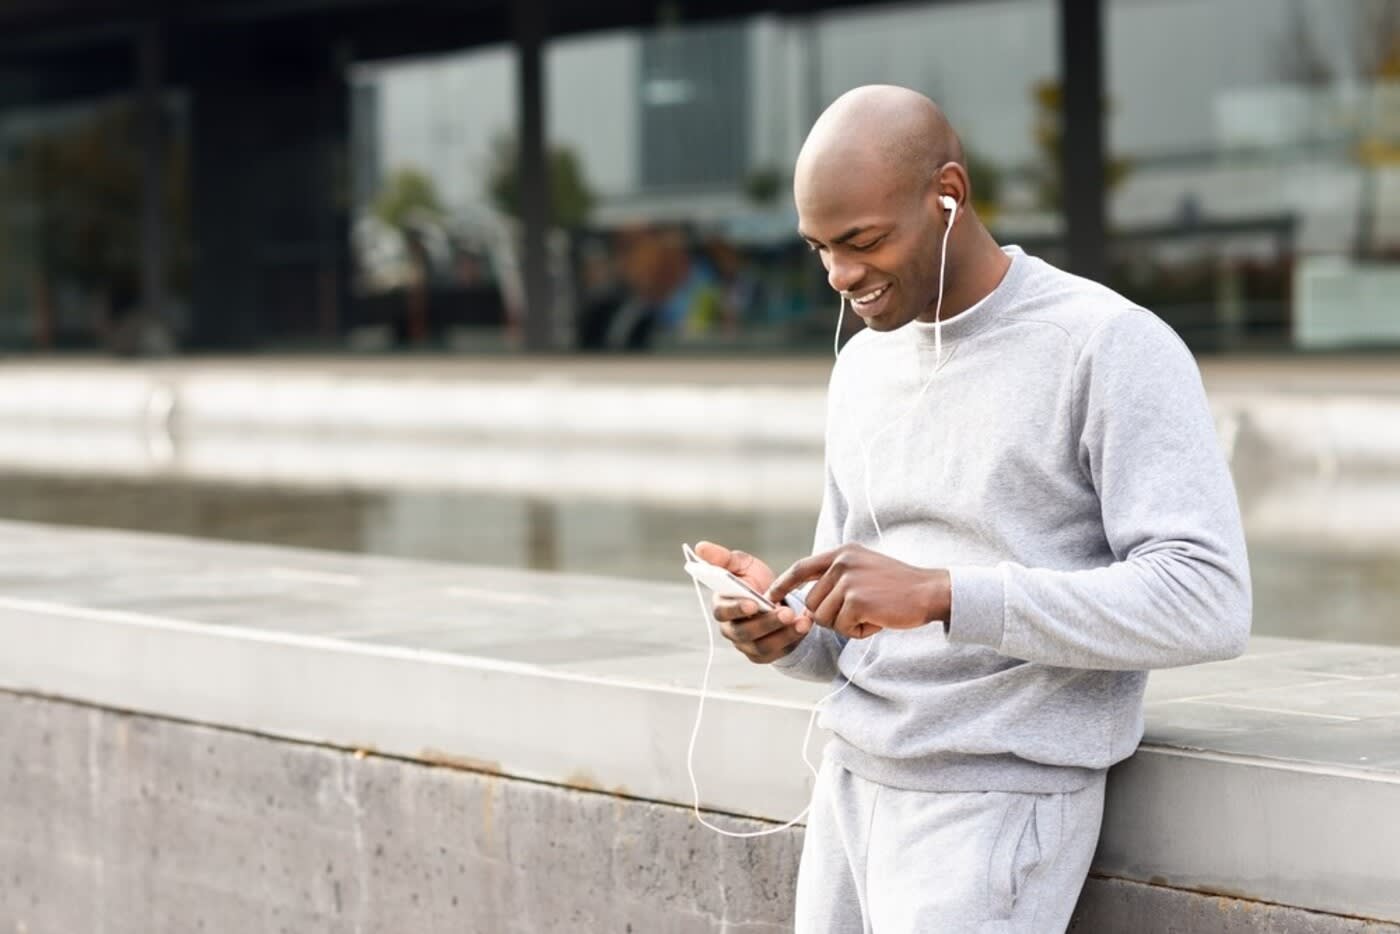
(848, 235)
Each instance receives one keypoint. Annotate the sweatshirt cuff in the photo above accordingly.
(800, 651)
(979, 606)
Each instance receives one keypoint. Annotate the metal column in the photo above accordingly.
(151, 56)
(1083, 161)
(535, 201)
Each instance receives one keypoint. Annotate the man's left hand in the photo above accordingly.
(859, 592)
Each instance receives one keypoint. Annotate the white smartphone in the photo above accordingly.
(727, 585)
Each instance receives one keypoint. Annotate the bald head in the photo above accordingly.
(886, 133)
(871, 189)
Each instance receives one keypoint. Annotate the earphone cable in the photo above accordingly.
(879, 537)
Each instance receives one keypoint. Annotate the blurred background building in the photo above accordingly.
(229, 175)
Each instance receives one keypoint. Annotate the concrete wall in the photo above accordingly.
(116, 823)
(113, 823)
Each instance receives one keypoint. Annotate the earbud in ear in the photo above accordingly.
(950, 205)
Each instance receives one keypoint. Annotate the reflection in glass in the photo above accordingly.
(1261, 206)
(70, 215)
(434, 245)
(670, 164)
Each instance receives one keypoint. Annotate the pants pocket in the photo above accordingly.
(1017, 850)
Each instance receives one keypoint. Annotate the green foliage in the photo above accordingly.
(409, 195)
(573, 199)
(84, 183)
(1049, 139)
(986, 182)
(761, 186)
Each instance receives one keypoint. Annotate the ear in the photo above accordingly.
(952, 182)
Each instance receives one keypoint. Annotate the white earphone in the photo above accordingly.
(950, 204)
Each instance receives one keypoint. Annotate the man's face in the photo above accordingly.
(876, 238)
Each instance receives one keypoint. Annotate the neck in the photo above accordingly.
(975, 274)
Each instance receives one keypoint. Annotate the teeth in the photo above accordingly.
(867, 299)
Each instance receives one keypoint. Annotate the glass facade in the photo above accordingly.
(434, 251)
(671, 151)
(1252, 196)
(71, 202)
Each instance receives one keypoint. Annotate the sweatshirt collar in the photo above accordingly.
(983, 314)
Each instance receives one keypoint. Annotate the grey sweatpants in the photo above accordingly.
(890, 861)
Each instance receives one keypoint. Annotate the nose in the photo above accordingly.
(844, 275)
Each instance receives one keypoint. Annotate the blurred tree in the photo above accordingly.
(1376, 41)
(573, 200)
(1049, 134)
(407, 198)
(986, 183)
(83, 185)
(409, 203)
(761, 186)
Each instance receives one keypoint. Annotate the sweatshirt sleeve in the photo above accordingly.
(814, 658)
(1178, 590)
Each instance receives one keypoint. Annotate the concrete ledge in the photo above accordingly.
(1274, 778)
(1255, 829)
(123, 824)
(1112, 905)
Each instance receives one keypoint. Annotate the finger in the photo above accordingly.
(789, 617)
(829, 610)
(775, 645)
(848, 621)
(823, 588)
(714, 554)
(751, 630)
(728, 608)
(739, 562)
(800, 572)
(770, 647)
(733, 560)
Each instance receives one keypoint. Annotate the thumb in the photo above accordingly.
(733, 560)
(714, 554)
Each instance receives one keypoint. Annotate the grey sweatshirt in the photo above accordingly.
(1063, 466)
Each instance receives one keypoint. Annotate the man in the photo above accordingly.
(1026, 508)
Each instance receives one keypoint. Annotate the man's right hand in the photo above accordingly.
(763, 636)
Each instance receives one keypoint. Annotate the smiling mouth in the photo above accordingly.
(870, 298)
